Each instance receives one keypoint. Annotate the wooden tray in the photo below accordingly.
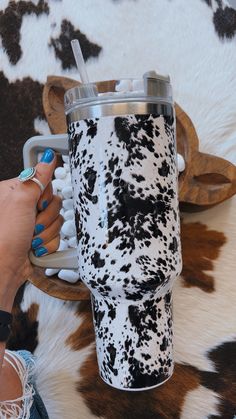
(206, 181)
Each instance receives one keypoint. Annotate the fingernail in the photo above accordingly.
(36, 242)
(39, 228)
(44, 204)
(40, 252)
(47, 156)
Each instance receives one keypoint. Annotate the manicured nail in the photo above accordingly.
(40, 252)
(36, 242)
(47, 156)
(44, 204)
(39, 228)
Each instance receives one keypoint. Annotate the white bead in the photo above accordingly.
(67, 192)
(68, 228)
(67, 204)
(72, 242)
(68, 275)
(66, 167)
(60, 173)
(63, 245)
(62, 235)
(65, 159)
(57, 185)
(68, 215)
(50, 272)
(180, 163)
(124, 86)
(67, 179)
(62, 212)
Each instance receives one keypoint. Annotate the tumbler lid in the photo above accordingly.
(152, 87)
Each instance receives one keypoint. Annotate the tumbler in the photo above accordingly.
(122, 154)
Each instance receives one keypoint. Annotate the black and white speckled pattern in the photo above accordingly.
(125, 195)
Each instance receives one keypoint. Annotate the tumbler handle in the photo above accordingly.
(39, 143)
(63, 259)
(66, 259)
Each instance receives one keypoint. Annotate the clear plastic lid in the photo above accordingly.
(152, 87)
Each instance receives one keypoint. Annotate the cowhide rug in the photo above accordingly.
(193, 41)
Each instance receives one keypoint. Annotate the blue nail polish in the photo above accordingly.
(36, 242)
(40, 252)
(47, 156)
(44, 204)
(39, 228)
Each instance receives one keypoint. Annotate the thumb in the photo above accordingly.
(46, 167)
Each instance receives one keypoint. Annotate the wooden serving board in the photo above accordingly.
(206, 181)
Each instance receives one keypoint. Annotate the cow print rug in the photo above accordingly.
(194, 42)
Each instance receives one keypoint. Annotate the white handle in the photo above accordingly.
(59, 143)
(66, 259)
(35, 145)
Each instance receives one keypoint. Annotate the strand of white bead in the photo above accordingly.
(62, 186)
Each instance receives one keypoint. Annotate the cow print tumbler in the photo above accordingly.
(123, 163)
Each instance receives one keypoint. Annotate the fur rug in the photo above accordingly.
(194, 42)
(203, 384)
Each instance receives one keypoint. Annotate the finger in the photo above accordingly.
(44, 173)
(46, 166)
(46, 198)
(47, 235)
(46, 217)
(50, 247)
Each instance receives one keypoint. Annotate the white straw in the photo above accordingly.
(79, 59)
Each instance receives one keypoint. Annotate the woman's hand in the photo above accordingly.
(27, 219)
